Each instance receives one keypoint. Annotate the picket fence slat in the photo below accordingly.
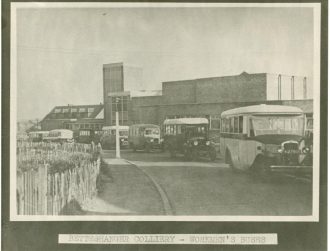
(41, 192)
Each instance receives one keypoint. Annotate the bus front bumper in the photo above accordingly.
(291, 169)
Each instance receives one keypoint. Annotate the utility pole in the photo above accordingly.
(117, 130)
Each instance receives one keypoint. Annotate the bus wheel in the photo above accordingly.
(172, 153)
(134, 148)
(212, 154)
(228, 159)
(187, 154)
(147, 148)
(260, 168)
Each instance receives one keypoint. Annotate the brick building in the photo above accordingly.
(203, 97)
(74, 117)
(206, 97)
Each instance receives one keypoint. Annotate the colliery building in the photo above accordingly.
(203, 97)
(74, 117)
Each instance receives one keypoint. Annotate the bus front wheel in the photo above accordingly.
(212, 154)
(172, 153)
(228, 159)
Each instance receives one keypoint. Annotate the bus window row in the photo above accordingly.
(232, 124)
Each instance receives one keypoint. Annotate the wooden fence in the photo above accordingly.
(44, 192)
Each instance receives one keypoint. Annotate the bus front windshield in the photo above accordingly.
(151, 131)
(196, 131)
(121, 132)
(261, 125)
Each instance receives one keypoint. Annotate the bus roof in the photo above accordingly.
(61, 130)
(114, 127)
(145, 125)
(38, 132)
(263, 109)
(186, 121)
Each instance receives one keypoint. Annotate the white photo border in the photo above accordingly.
(316, 116)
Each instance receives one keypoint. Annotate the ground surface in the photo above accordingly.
(153, 184)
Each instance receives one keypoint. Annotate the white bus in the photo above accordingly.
(108, 139)
(144, 137)
(37, 136)
(59, 135)
(265, 137)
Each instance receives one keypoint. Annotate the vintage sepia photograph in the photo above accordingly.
(165, 112)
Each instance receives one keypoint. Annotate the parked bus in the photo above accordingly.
(59, 135)
(108, 138)
(37, 136)
(144, 137)
(87, 136)
(264, 137)
(188, 136)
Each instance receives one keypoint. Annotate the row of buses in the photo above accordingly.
(258, 137)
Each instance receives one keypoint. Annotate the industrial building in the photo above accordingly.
(74, 117)
(203, 97)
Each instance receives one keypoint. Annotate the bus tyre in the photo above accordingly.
(187, 154)
(134, 148)
(259, 169)
(172, 153)
(228, 160)
(194, 154)
(212, 154)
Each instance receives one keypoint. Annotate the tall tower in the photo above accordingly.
(118, 81)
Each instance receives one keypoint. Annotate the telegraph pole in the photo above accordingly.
(117, 130)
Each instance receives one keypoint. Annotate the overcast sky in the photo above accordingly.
(61, 51)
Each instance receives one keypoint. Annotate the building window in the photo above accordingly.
(59, 115)
(82, 109)
(74, 109)
(90, 111)
(57, 110)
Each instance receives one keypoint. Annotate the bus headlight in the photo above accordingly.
(280, 150)
(306, 150)
(207, 143)
(161, 140)
(122, 140)
(151, 140)
(195, 143)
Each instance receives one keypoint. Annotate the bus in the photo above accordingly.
(190, 137)
(87, 136)
(144, 137)
(108, 139)
(265, 138)
(37, 136)
(59, 135)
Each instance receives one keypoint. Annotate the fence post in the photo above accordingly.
(42, 183)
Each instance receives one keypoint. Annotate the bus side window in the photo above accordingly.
(240, 122)
(236, 125)
(231, 126)
(251, 129)
(179, 129)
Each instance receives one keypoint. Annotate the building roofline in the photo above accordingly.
(217, 77)
(114, 64)
(75, 106)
